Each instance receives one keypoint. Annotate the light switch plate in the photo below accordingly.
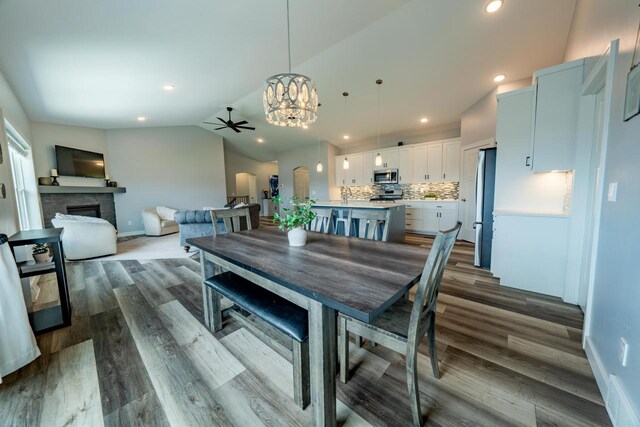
(612, 194)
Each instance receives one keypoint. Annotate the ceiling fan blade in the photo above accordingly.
(210, 123)
(244, 122)
(220, 128)
(234, 128)
(223, 121)
(246, 127)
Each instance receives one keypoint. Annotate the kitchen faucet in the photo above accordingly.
(345, 197)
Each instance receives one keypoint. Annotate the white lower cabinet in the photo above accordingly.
(430, 217)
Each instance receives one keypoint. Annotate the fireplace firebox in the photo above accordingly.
(84, 210)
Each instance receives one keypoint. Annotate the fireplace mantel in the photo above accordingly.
(77, 189)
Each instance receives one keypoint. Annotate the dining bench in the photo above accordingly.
(282, 325)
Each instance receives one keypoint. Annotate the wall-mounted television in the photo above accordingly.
(74, 162)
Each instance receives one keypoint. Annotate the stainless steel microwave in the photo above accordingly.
(385, 176)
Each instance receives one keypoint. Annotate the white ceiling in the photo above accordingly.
(103, 63)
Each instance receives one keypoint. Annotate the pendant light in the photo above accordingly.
(345, 162)
(290, 99)
(378, 156)
(319, 165)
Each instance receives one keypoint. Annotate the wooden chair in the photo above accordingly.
(369, 223)
(274, 320)
(231, 219)
(322, 221)
(403, 325)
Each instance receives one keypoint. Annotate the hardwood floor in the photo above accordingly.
(138, 354)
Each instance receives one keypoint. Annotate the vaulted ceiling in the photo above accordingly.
(103, 63)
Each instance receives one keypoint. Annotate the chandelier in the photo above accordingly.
(290, 99)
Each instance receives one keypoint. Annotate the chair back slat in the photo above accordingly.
(230, 218)
(424, 305)
(373, 224)
(322, 222)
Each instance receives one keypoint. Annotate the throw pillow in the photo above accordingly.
(166, 213)
(240, 205)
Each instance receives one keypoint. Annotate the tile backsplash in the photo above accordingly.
(444, 190)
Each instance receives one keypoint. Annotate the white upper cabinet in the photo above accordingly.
(434, 162)
(556, 116)
(404, 165)
(368, 167)
(451, 161)
(420, 164)
(389, 158)
(355, 174)
(428, 162)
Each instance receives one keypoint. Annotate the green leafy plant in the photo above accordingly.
(39, 248)
(297, 215)
(430, 196)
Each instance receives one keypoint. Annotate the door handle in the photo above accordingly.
(527, 161)
(444, 175)
(463, 200)
(476, 223)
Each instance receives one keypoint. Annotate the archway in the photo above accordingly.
(301, 182)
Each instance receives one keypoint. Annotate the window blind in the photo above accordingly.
(17, 145)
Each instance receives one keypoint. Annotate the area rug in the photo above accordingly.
(146, 247)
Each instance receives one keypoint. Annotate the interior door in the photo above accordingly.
(468, 194)
(595, 196)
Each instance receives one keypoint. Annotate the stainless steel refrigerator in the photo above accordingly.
(485, 192)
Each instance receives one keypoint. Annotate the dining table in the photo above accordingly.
(330, 274)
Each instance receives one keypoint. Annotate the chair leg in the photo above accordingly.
(343, 349)
(358, 341)
(412, 385)
(433, 354)
(301, 387)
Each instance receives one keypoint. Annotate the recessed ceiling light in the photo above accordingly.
(169, 87)
(346, 137)
(305, 127)
(499, 78)
(424, 120)
(141, 118)
(493, 6)
(260, 140)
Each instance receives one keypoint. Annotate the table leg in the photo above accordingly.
(210, 298)
(322, 355)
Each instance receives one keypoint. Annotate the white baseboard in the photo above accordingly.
(617, 402)
(130, 233)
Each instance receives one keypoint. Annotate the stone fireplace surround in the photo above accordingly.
(53, 203)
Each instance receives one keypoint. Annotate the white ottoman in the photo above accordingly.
(85, 237)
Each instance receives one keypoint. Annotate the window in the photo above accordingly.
(27, 200)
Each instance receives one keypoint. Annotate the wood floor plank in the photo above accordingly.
(117, 274)
(151, 287)
(79, 331)
(75, 276)
(99, 294)
(21, 401)
(146, 411)
(185, 397)
(214, 362)
(549, 354)
(122, 375)
(72, 393)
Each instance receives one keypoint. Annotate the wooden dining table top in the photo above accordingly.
(360, 278)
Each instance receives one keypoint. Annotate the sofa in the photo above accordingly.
(197, 223)
(159, 221)
(86, 237)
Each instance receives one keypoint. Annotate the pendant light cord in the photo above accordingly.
(289, 36)
(378, 118)
(635, 48)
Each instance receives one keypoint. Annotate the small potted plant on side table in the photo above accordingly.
(40, 252)
(294, 219)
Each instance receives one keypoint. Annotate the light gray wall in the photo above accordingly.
(431, 133)
(180, 167)
(319, 182)
(10, 109)
(47, 135)
(616, 295)
(235, 162)
(479, 121)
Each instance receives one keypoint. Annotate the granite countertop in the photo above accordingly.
(358, 204)
(427, 200)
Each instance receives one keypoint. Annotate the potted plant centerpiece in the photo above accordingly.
(40, 252)
(294, 219)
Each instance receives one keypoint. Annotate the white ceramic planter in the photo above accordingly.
(297, 237)
(40, 258)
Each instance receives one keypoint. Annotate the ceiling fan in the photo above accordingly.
(230, 124)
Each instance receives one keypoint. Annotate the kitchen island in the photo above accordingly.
(341, 212)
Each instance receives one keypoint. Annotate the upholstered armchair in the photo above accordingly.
(159, 221)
